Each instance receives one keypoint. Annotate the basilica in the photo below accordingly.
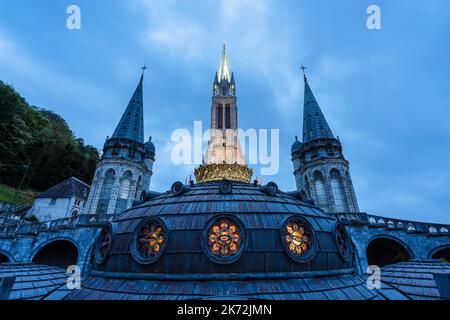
(224, 235)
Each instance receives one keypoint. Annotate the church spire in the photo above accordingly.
(315, 125)
(131, 125)
(224, 72)
(224, 85)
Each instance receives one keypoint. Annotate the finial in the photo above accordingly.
(303, 69)
(150, 139)
(143, 69)
(296, 138)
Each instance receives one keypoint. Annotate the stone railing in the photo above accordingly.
(373, 221)
(33, 228)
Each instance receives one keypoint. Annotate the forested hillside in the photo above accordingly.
(41, 139)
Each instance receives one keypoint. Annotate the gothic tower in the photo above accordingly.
(125, 168)
(321, 171)
(224, 158)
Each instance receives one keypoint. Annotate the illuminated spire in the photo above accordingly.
(224, 72)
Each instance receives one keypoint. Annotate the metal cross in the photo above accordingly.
(303, 68)
(144, 68)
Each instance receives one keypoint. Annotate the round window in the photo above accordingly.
(298, 239)
(103, 243)
(343, 242)
(149, 240)
(224, 240)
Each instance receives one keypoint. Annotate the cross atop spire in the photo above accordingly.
(143, 69)
(303, 69)
(224, 72)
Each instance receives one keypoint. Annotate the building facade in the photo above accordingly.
(225, 237)
(66, 199)
(125, 168)
(321, 171)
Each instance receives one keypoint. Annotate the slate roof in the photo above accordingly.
(315, 125)
(131, 125)
(263, 271)
(71, 187)
(416, 279)
(338, 287)
(33, 282)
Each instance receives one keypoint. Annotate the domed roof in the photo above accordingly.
(296, 146)
(223, 240)
(149, 147)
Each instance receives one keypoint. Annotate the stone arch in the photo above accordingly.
(59, 252)
(124, 192)
(5, 257)
(337, 189)
(383, 250)
(440, 253)
(106, 192)
(321, 191)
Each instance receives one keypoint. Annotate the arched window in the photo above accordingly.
(307, 187)
(220, 117)
(124, 192)
(322, 197)
(138, 191)
(105, 194)
(228, 117)
(338, 191)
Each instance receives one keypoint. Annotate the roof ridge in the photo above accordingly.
(75, 178)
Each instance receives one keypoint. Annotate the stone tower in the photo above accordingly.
(125, 168)
(321, 171)
(224, 158)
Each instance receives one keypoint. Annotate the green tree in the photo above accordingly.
(41, 138)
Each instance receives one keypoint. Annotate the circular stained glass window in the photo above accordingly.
(103, 243)
(149, 240)
(224, 239)
(343, 242)
(298, 239)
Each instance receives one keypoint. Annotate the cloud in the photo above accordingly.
(11, 55)
(66, 94)
(165, 172)
(257, 49)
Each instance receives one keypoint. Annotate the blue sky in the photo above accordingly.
(385, 93)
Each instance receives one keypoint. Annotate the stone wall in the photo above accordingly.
(420, 240)
(21, 243)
